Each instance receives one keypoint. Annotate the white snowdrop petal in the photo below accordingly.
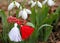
(14, 34)
(30, 2)
(11, 6)
(39, 4)
(24, 14)
(33, 4)
(20, 13)
(44, 2)
(28, 11)
(17, 4)
(51, 2)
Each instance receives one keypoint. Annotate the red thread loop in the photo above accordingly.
(14, 20)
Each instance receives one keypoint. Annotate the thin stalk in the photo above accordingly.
(8, 16)
(8, 4)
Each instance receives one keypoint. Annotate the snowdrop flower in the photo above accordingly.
(33, 4)
(30, 2)
(39, 4)
(44, 2)
(36, 3)
(51, 3)
(17, 4)
(24, 13)
(14, 34)
(13, 4)
(28, 11)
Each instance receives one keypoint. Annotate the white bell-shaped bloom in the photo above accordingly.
(14, 34)
(33, 4)
(28, 11)
(13, 4)
(51, 2)
(44, 2)
(39, 4)
(30, 2)
(24, 13)
(17, 4)
(20, 13)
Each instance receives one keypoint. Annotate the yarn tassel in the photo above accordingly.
(14, 34)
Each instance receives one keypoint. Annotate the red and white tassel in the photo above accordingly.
(14, 34)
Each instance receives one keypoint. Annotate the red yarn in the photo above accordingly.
(11, 19)
(14, 20)
(26, 31)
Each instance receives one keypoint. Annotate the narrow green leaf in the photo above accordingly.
(51, 18)
(47, 31)
(5, 25)
(44, 25)
(33, 16)
(30, 24)
(43, 13)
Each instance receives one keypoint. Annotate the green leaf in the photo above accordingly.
(44, 32)
(58, 10)
(30, 24)
(17, 13)
(44, 25)
(47, 31)
(43, 13)
(33, 16)
(5, 25)
(51, 18)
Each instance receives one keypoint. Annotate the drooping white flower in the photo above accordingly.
(14, 34)
(28, 11)
(24, 13)
(17, 4)
(39, 4)
(30, 2)
(33, 4)
(51, 2)
(20, 13)
(44, 2)
(13, 4)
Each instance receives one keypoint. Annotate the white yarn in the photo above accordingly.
(14, 34)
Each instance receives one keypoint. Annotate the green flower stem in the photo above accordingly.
(8, 5)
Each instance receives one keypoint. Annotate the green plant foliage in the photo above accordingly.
(33, 16)
(30, 24)
(40, 17)
(42, 14)
(5, 25)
